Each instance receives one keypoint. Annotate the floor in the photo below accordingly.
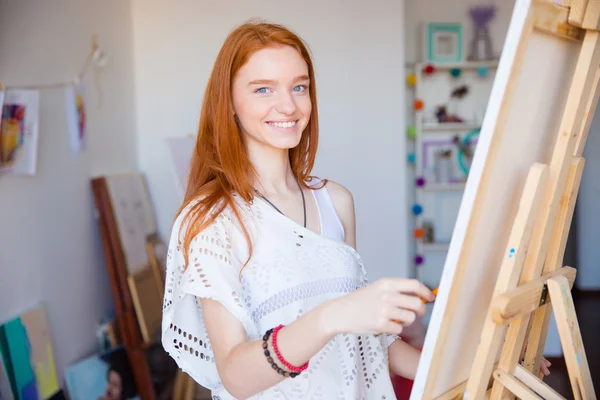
(588, 315)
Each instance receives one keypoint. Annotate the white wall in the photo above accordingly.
(50, 248)
(359, 57)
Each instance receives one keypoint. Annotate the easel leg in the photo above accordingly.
(508, 277)
(541, 319)
(570, 337)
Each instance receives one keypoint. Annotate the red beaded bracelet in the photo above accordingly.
(284, 362)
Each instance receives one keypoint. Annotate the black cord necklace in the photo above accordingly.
(303, 201)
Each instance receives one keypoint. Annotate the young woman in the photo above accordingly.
(266, 296)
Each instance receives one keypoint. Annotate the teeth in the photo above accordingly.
(283, 124)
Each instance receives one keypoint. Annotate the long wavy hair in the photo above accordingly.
(220, 164)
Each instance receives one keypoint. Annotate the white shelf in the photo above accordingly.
(443, 187)
(434, 246)
(449, 126)
(461, 65)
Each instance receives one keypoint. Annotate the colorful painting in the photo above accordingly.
(76, 115)
(106, 376)
(12, 133)
(6, 392)
(28, 357)
(19, 132)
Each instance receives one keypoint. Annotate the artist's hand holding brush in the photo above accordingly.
(384, 306)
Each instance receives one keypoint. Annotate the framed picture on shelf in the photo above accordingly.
(443, 42)
(441, 160)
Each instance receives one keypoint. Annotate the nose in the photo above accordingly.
(285, 104)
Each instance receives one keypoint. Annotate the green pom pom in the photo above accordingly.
(411, 132)
(455, 72)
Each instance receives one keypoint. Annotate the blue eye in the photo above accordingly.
(302, 87)
(262, 90)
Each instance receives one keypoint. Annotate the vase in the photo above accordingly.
(481, 45)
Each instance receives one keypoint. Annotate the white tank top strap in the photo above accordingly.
(331, 225)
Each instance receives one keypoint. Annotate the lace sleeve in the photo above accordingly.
(212, 272)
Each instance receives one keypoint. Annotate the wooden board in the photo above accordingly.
(147, 300)
(134, 217)
(117, 270)
(519, 129)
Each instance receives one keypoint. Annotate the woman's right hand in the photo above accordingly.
(384, 306)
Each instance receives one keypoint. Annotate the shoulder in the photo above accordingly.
(340, 195)
(196, 214)
(343, 202)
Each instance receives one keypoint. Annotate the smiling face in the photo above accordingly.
(271, 98)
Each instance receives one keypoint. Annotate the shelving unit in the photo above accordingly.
(439, 181)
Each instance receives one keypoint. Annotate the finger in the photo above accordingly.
(403, 316)
(545, 370)
(409, 302)
(393, 328)
(413, 286)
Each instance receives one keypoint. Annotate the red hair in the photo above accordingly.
(220, 165)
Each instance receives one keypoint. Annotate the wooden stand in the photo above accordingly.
(531, 279)
(123, 207)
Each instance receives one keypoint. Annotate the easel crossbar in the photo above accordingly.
(527, 297)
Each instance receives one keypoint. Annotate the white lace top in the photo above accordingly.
(292, 270)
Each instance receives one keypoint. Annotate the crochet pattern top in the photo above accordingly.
(292, 270)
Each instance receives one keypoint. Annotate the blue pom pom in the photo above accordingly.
(482, 71)
(417, 209)
(412, 158)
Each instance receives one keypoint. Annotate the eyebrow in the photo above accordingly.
(272, 82)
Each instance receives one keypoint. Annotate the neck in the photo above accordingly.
(273, 171)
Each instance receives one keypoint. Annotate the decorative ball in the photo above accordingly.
(420, 182)
(455, 72)
(418, 104)
(419, 233)
(411, 132)
(429, 69)
(419, 260)
(417, 209)
(412, 158)
(482, 72)
(411, 79)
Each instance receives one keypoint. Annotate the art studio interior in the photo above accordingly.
(100, 107)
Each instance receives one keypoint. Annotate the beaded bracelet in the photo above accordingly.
(276, 367)
(283, 361)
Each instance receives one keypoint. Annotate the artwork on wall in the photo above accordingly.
(19, 132)
(28, 357)
(76, 115)
(443, 42)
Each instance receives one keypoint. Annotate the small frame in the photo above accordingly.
(444, 42)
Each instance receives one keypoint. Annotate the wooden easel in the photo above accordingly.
(533, 280)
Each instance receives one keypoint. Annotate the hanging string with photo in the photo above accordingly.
(20, 116)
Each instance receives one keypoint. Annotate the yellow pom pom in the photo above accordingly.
(411, 79)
